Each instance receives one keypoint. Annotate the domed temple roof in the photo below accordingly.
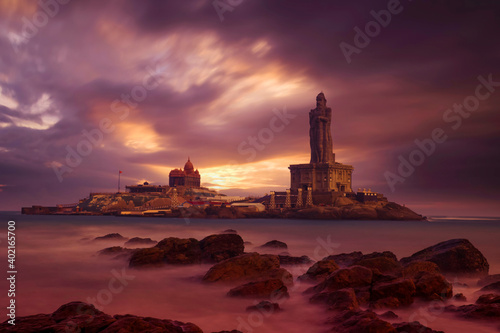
(188, 167)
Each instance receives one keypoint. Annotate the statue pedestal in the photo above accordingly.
(321, 177)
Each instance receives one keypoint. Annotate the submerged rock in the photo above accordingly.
(114, 251)
(456, 256)
(138, 241)
(274, 244)
(265, 307)
(111, 237)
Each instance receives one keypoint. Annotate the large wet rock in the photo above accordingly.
(350, 259)
(382, 264)
(352, 277)
(146, 258)
(267, 289)
(171, 250)
(343, 299)
(179, 251)
(432, 286)
(216, 248)
(393, 294)
(248, 267)
(319, 271)
(457, 256)
(360, 322)
(82, 317)
(415, 267)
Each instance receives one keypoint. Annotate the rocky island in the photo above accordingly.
(320, 189)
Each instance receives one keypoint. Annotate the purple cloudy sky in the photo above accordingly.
(84, 66)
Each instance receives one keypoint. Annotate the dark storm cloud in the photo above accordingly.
(393, 92)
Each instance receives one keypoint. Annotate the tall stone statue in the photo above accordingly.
(320, 135)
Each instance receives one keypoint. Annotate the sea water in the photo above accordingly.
(57, 262)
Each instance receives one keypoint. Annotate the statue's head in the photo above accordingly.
(321, 101)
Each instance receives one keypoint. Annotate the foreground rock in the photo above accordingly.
(273, 289)
(248, 267)
(178, 251)
(457, 256)
(82, 317)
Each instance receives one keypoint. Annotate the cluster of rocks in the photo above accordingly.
(348, 282)
(350, 286)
